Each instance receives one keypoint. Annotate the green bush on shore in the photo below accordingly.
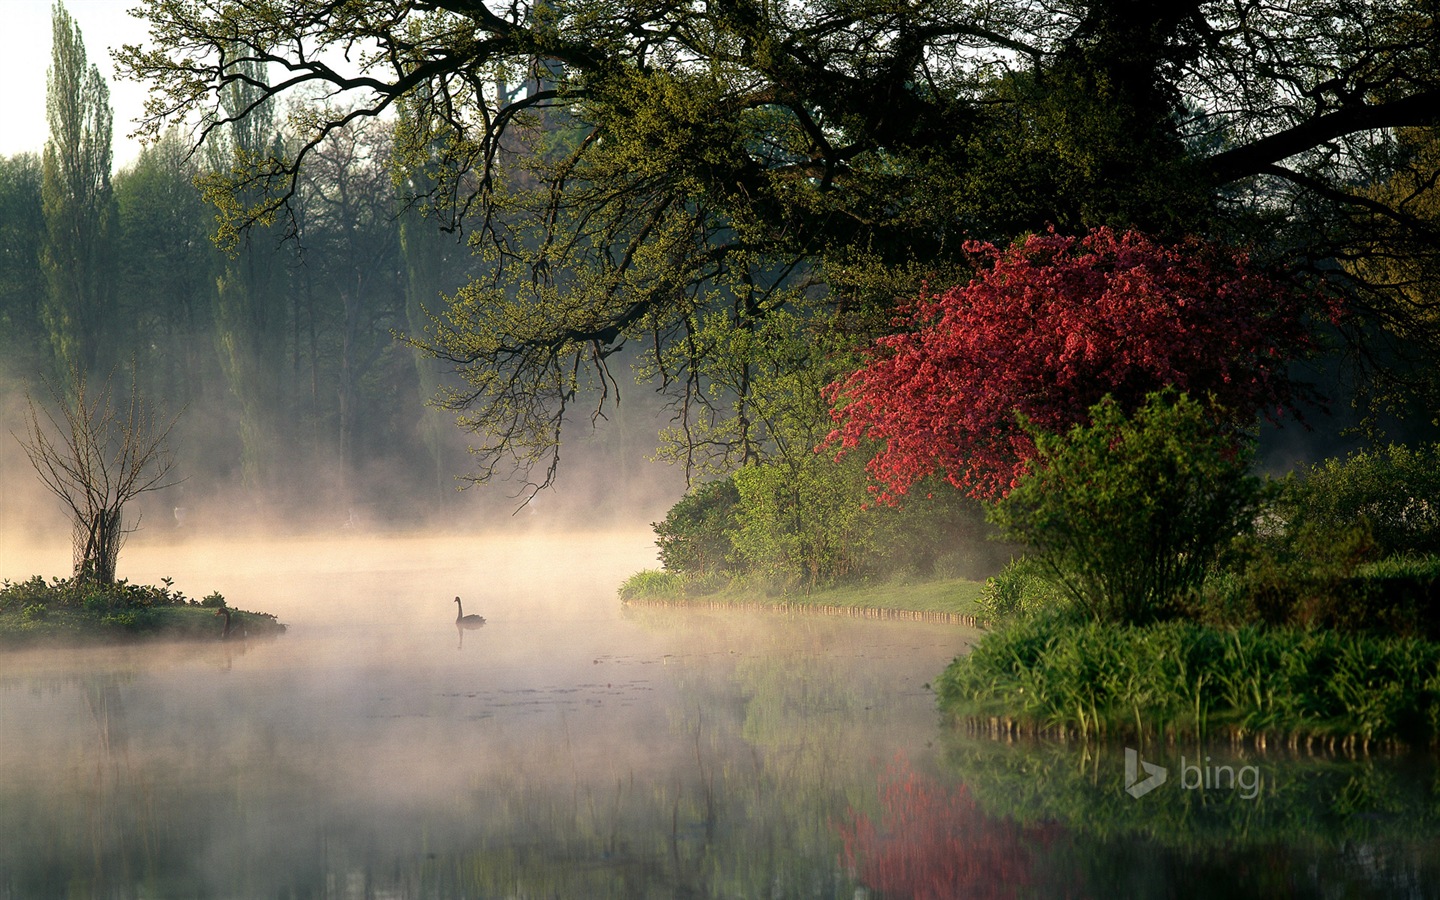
(1319, 621)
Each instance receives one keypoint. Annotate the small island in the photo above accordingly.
(76, 612)
(96, 454)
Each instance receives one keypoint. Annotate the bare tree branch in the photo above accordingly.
(97, 453)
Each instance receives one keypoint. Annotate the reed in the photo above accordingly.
(1181, 680)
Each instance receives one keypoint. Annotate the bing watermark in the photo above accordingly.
(1193, 777)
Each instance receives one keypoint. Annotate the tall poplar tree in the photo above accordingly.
(250, 314)
(78, 202)
(23, 342)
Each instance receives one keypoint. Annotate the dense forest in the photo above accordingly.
(282, 355)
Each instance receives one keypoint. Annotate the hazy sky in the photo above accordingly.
(26, 58)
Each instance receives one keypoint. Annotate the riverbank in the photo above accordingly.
(63, 613)
(950, 601)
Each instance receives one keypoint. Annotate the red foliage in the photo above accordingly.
(935, 843)
(1047, 329)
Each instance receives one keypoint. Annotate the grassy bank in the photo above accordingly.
(950, 599)
(61, 612)
(1182, 681)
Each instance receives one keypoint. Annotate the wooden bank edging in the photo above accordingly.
(853, 612)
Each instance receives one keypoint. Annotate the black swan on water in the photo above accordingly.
(228, 634)
(464, 621)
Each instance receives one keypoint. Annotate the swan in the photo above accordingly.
(227, 634)
(464, 621)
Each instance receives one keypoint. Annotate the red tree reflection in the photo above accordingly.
(934, 842)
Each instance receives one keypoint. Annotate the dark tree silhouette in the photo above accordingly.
(96, 453)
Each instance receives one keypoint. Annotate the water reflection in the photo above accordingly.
(1312, 826)
(573, 749)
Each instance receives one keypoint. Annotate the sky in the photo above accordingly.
(26, 59)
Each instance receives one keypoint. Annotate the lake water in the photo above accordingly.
(572, 748)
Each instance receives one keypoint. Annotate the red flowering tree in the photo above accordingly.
(1046, 329)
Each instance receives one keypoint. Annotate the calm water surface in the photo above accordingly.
(570, 748)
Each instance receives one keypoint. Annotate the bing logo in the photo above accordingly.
(1245, 779)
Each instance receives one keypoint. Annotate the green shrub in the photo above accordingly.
(709, 583)
(1127, 515)
(1288, 575)
(804, 522)
(130, 620)
(1022, 590)
(72, 593)
(694, 537)
(1398, 595)
(935, 531)
(1393, 492)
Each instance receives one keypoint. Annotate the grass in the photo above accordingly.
(1182, 680)
(950, 596)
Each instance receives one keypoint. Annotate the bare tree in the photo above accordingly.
(96, 454)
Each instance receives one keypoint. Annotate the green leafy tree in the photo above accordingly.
(1392, 493)
(628, 167)
(78, 202)
(432, 268)
(23, 341)
(251, 318)
(802, 521)
(355, 289)
(166, 272)
(1127, 514)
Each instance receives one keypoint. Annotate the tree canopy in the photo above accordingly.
(1047, 329)
(629, 167)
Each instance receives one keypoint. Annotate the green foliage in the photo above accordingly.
(1127, 514)
(23, 341)
(813, 525)
(802, 521)
(1398, 595)
(652, 584)
(1393, 492)
(1288, 576)
(77, 593)
(694, 537)
(1020, 591)
(73, 611)
(1348, 544)
(78, 202)
(678, 174)
(1180, 679)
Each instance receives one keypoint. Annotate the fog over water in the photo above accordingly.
(574, 748)
(568, 747)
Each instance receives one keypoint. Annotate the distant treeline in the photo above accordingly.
(283, 355)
